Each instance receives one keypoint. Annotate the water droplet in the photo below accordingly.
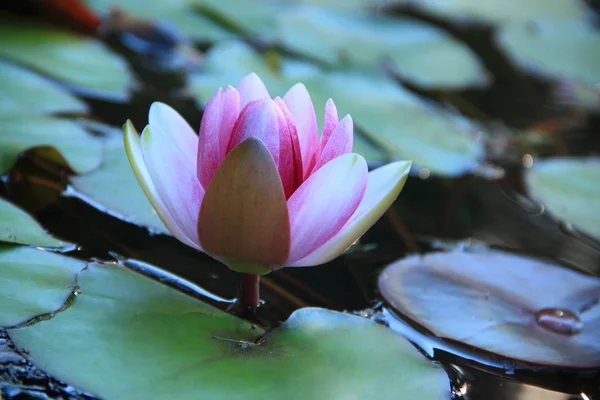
(558, 320)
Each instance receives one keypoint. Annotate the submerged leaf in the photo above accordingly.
(132, 332)
(33, 282)
(16, 226)
(568, 189)
(514, 306)
(82, 151)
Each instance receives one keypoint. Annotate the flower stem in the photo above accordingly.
(249, 294)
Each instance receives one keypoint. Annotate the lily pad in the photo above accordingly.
(226, 63)
(82, 151)
(25, 92)
(396, 120)
(16, 226)
(568, 189)
(113, 189)
(536, 49)
(414, 49)
(134, 338)
(78, 60)
(401, 123)
(179, 14)
(255, 18)
(505, 304)
(508, 11)
(33, 282)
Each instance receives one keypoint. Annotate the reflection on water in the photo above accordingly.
(483, 376)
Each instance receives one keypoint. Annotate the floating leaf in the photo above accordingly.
(24, 92)
(568, 189)
(71, 58)
(537, 49)
(514, 306)
(16, 226)
(392, 117)
(33, 282)
(228, 62)
(508, 11)
(415, 50)
(255, 18)
(401, 123)
(180, 15)
(112, 188)
(150, 341)
(82, 151)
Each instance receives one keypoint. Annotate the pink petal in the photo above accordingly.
(384, 185)
(300, 105)
(251, 88)
(290, 158)
(244, 219)
(174, 178)
(169, 121)
(338, 143)
(260, 119)
(325, 202)
(216, 127)
(133, 150)
(331, 121)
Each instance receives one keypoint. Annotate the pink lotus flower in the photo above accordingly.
(258, 189)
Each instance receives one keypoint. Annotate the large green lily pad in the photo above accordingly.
(507, 11)
(415, 50)
(112, 188)
(16, 226)
(71, 58)
(393, 118)
(126, 336)
(178, 14)
(538, 49)
(33, 282)
(25, 92)
(82, 151)
(568, 189)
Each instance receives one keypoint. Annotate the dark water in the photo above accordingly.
(452, 209)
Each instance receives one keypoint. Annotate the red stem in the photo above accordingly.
(249, 294)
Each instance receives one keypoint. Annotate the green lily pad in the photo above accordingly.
(252, 18)
(113, 189)
(506, 304)
(396, 120)
(24, 92)
(33, 282)
(568, 189)
(179, 14)
(71, 58)
(134, 338)
(508, 11)
(16, 226)
(401, 123)
(419, 52)
(537, 50)
(82, 151)
(226, 63)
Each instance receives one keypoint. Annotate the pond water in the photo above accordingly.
(526, 114)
